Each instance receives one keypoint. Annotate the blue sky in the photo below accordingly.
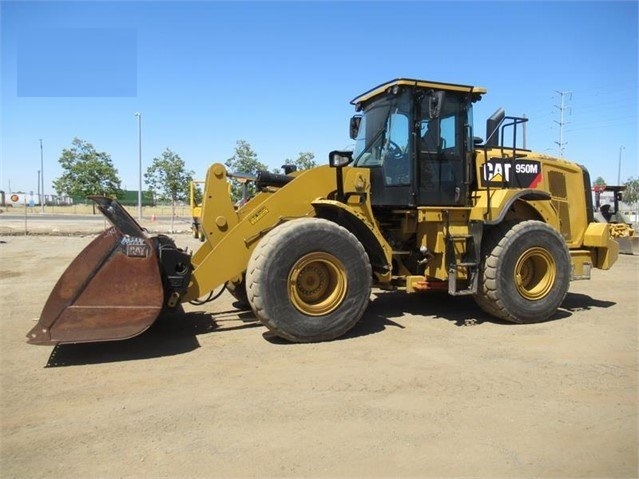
(280, 75)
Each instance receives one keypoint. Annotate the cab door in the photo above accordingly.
(442, 152)
(391, 157)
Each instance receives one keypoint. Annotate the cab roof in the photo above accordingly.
(380, 89)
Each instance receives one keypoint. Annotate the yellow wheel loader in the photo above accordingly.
(621, 229)
(420, 204)
(196, 210)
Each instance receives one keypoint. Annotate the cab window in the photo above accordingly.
(395, 153)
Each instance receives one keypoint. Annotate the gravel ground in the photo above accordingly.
(424, 386)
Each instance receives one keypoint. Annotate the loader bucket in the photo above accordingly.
(628, 244)
(112, 290)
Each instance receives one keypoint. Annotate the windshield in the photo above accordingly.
(383, 138)
(371, 128)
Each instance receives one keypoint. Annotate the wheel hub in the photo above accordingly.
(317, 284)
(535, 273)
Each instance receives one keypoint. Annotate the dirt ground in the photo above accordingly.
(424, 386)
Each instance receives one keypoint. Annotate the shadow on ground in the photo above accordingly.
(171, 334)
(386, 307)
(575, 302)
(177, 333)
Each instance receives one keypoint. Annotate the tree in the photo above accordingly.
(86, 172)
(244, 161)
(198, 195)
(631, 194)
(168, 179)
(600, 182)
(304, 161)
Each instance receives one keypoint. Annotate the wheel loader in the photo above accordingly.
(420, 204)
(196, 209)
(621, 229)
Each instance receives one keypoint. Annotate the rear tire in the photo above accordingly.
(309, 280)
(525, 272)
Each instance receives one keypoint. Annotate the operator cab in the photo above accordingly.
(416, 137)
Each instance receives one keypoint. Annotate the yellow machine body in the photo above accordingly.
(513, 231)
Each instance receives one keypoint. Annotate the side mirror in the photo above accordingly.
(619, 196)
(338, 159)
(354, 126)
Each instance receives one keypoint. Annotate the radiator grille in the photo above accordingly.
(557, 183)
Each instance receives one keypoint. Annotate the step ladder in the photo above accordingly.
(470, 261)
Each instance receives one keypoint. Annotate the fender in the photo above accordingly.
(526, 195)
(348, 216)
(493, 210)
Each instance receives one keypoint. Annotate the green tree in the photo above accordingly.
(304, 161)
(169, 179)
(599, 182)
(86, 172)
(198, 195)
(245, 162)
(631, 194)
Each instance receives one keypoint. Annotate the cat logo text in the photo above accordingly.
(511, 174)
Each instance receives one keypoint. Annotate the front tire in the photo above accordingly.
(309, 280)
(525, 272)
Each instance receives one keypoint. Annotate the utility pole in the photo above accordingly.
(619, 167)
(561, 143)
(42, 201)
(139, 116)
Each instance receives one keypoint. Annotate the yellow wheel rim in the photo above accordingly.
(535, 273)
(317, 284)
